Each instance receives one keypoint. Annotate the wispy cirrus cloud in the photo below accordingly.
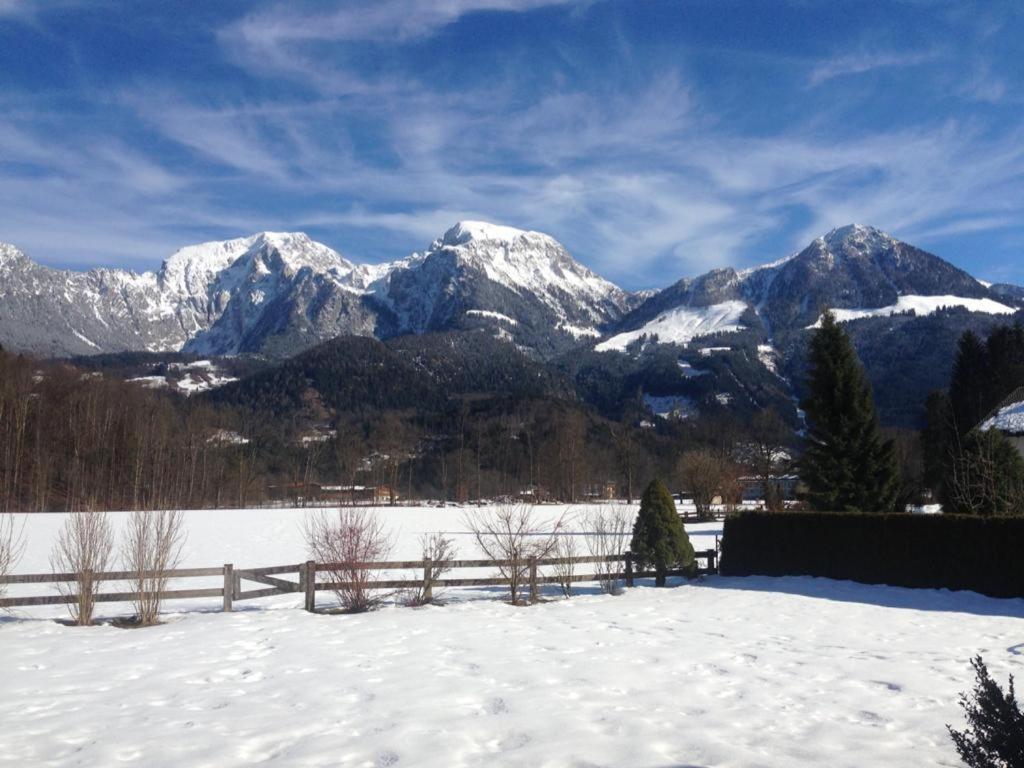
(860, 63)
(384, 20)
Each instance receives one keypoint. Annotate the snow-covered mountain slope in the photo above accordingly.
(279, 293)
(923, 306)
(683, 324)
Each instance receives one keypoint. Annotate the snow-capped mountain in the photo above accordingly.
(524, 285)
(220, 297)
(279, 293)
(856, 270)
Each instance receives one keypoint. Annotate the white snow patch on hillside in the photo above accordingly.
(151, 382)
(767, 355)
(683, 324)
(579, 332)
(722, 671)
(492, 315)
(689, 371)
(671, 406)
(922, 305)
(88, 341)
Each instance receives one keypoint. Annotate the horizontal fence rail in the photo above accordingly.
(308, 584)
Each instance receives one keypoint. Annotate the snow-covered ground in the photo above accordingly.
(738, 672)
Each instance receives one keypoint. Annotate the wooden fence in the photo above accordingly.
(308, 584)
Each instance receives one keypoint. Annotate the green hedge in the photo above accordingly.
(939, 551)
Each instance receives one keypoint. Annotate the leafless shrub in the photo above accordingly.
(12, 546)
(83, 548)
(151, 548)
(511, 535)
(566, 548)
(608, 532)
(440, 551)
(342, 542)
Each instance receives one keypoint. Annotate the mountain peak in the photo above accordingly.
(465, 231)
(10, 254)
(856, 233)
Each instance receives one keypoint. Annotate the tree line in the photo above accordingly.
(72, 440)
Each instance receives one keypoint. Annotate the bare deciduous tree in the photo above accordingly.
(343, 542)
(151, 548)
(440, 551)
(12, 545)
(83, 548)
(702, 474)
(511, 535)
(608, 532)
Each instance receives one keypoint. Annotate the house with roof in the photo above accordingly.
(1008, 418)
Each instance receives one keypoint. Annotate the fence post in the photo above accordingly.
(534, 594)
(712, 561)
(310, 585)
(629, 569)
(229, 586)
(428, 589)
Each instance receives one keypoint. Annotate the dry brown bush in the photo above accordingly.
(341, 542)
(608, 532)
(12, 545)
(566, 548)
(511, 535)
(83, 548)
(151, 548)
(440, 551)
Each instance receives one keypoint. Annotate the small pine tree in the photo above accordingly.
(846, 464)
(659, 538)
(994, 737)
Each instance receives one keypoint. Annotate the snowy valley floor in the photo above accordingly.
(719, 672)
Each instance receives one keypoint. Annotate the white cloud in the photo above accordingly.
(859, 63)
(387, 20)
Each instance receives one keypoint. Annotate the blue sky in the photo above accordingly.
(654, 139)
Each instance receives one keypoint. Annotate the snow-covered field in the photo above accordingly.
(737, 672)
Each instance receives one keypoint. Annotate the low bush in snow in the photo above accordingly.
(84, 548)
(511, 535)
(994, 737)
(341, 542)
(151, 548)
(12, 544)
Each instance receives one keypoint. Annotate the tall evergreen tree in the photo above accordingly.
(847, 466)
(659, 538)
(969, 385)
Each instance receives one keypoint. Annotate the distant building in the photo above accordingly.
(605, 491)
(333, 494)
(534, 494)
(1008, 419)
(753, 488)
